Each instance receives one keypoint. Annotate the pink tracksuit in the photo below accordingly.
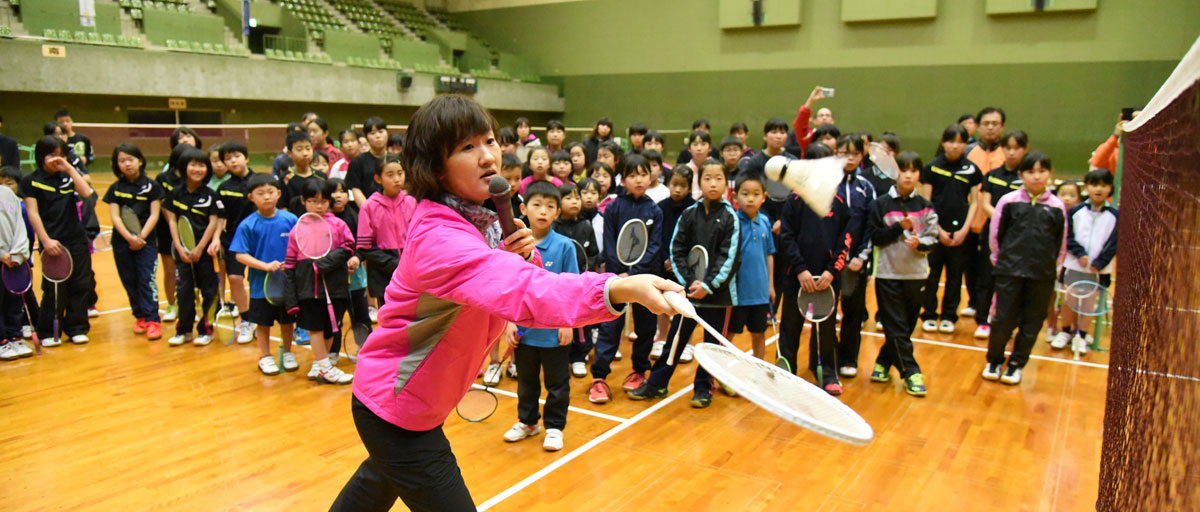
(383, 221)
(447, 303)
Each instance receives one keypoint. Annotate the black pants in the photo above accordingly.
(854, 313)
(985, 284)
(971, 266)
(952, 260)
(71, 300)
(899, 305)
(644, 324)
(358, 315)
(555, 363)
(583, 346)
(189, 276)
(661, 373)
(791, 326)
(137, 272)
(417, 467)
(1020, 303)
(12, 315)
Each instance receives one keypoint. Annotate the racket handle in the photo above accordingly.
(674, 344)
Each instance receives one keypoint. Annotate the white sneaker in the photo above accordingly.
(1012, 376)
(245, 331)
(289, 362)
(656, 349)
(512, 370)
(521, 431)
(22, 349)
(553, 441)
(334, 375)
(334, 358)
(233, 310)
(26, 331)
(929, 326)
(171, 313)
(8, 353)
(686, 355)
(967, 311)
(619, 355)
(848, 371)
(1078, 344)
(991, 372)
(267, 366)
(373, 312)
(179, 339)
(202, 340)
(1060, 340)
(983, 332)
(51, 341)
(878, 326)
(946, 326)
(579, 369)
(79, 339)
(314, 372)
(491, 377)
(93, 313)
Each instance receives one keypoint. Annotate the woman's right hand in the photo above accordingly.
(644, 289)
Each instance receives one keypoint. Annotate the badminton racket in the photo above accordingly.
(480, 403)
(697, 261)
(817, 307)
(57, 269)
(632, 241)
(314, 238)
(18, 280)
(772, 388)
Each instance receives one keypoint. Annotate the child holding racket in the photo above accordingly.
(903, 229)
(570, 225)
(815, 249)
(449, 300)
(52, 210)
(679, 183)
(383, 225)
(260, 243)
(1028, 240)
(544, 352)
(235, 207)
(133, 244)
(633, 204)
(194, 203)
(14, 253)
(320, 282)
(169, 179)
(712, 224)
(1091, 248)
(10, 177)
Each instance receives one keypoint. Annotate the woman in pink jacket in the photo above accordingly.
(455, 290)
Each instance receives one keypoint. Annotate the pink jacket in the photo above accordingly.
(447, 303)
(383, 221)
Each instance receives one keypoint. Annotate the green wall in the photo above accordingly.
(1062, 77)
(161, 25)
(64, 15)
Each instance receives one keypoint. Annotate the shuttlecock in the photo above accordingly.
(815, 181)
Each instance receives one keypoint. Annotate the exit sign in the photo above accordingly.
(177, 103)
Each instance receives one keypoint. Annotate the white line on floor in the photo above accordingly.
(588, 412)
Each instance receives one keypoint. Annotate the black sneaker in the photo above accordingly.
(1012, 376)
(702, 399)
(645, 392)
(991, 371)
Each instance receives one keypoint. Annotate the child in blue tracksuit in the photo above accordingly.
(713, 224)
(544, 351)
(633, 203)
(858, 193)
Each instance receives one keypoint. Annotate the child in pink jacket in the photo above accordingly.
(456, 288)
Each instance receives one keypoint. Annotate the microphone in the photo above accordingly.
(501, 194)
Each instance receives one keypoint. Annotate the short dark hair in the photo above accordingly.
(702, 135)
(342, 134)
(700, 122)
(560, 156)
(45, 146)
(652, 155)
(1017, 135)
(396, 139)
(749, 176)
(817, 150)
(435, 130)
(61, 114)
(193, 154)
(234, 146)
(293, 138)
(774, 124)
(1034, 158)
(51, 126)
(638, 128)
(955, 130)
(826, 130)
(909, 158)
(634, 164)
(655, 135)
(313, 188)
(545, 189)
(568, 189)
(711, 162)
(388, 158)
(319, 122)
(1098, 177)
(555, 124)
(509, 161)
(738, 127)
(519, 122)
(262, 180)
(587, 183)
(852, 139)
(131, 150)
(296, 127)
(507, 136)
(615, 149)
(990, 110)
(373, 123)
(600, 166)
(731, 141)
(11, 172)
(682, 171)
(183, 130)
(892, 140)
(964, 117)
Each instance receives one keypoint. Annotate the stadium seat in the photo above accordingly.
(197, 47)
(208, 48)
(50, 34)
(109, 39)
(64, 35)
(93, 38)
(171, 43)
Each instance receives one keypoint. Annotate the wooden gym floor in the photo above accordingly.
(126, 424)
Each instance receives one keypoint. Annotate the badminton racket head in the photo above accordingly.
(1084, 294)
(56, 269)
(697, 260)
(18, 279)
(187, 235)
(817, 306)
(273, 287)
(477, 405)
(581, 258)
(883, 160)
(130, 219)
(632, 241)
(313, 236)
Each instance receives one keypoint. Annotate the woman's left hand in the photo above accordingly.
(644, 289)
(521, 241)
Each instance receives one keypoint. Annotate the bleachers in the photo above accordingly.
(316, 19)
(289, 55)
(204, 47)
(408, 14)
(368, 18)
(94, 38)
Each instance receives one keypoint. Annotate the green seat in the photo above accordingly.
(290, 54)
(50, 34)
(109, 39)
(136, 14)
(64, 35)
(271, 53)
(208, 47)
(196, 46)
(93, 37)
(171, 43)
(219, 48)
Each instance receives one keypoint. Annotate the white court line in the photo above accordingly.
(588, 412)
(981, 349)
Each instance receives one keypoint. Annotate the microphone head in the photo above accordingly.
(498, 186)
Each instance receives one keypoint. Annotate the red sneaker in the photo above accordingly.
(140, 326)
(153, 330)
(833, 388)
(633, 381)
(599, 392)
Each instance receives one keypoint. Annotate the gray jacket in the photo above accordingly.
(893, 259)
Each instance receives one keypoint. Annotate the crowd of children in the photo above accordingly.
(983, 207)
